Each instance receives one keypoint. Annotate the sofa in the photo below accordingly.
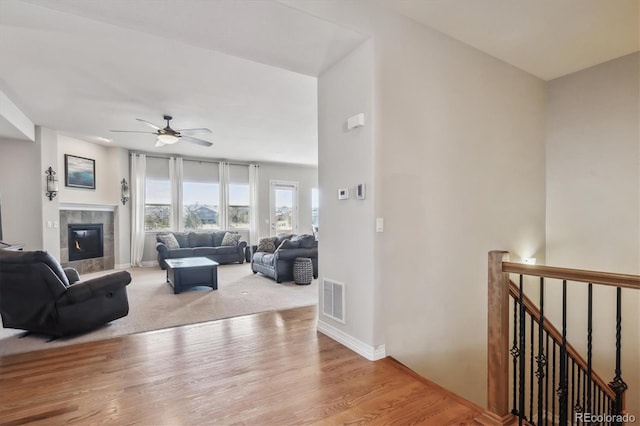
(274, 256)
(38, 295)
(220, 246)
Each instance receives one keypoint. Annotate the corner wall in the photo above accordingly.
(593, 201)
(346, 159)
(459, 171)
(112, 165)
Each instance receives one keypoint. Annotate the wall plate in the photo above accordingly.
(343, 194)
(361, 191)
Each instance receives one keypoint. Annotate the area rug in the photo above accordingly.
(153, 305)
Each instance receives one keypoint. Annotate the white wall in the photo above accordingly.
(107, 190)
(112, 165)
(346, 158)
(593, 200)
(22, 189)
(459, 171)
(48, 141)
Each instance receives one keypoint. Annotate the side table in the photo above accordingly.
(302, 270)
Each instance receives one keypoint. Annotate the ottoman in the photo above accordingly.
(302, 270)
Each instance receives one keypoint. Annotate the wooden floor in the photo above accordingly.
(264, 369)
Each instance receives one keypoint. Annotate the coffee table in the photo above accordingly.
(190, 272)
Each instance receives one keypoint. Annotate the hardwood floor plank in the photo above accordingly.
(272, 368)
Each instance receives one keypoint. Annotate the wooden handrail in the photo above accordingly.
(579, 275)
(556, 336)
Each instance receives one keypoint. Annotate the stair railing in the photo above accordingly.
(555, 384)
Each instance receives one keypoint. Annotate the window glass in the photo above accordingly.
(157, 205)
(239, 208)
(200, 195)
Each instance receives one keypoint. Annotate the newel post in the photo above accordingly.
(497, 412)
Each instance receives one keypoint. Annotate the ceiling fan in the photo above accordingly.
(168, 136)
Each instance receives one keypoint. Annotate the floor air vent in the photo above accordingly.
(333, 299)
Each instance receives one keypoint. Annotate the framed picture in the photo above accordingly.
(79, 172)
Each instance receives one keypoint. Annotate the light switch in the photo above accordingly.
(56, 224)
(49, 224)
(379, 224)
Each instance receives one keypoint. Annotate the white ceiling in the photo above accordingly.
(246, 68)
(80, 68)
(546, 38)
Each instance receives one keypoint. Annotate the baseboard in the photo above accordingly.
(122, 266)
(369, 352)
(149, 264)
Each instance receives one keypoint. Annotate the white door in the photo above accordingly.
(284, 207)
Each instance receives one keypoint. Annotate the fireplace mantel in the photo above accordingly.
(88, 207)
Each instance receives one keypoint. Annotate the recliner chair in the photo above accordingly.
(37, 295)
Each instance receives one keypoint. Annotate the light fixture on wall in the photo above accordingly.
(52, 183)
(530, 260)
(124, 191)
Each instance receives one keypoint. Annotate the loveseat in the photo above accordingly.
(219, 246)
(274, 256)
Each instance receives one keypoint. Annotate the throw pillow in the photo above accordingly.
(304, 240)
(170, 241)
(182, 238)
(230, 239)
(289, 244)
(267, 244)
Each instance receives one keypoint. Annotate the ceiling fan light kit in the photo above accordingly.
(167, 139)
(168, 136)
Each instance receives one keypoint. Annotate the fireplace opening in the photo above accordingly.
(85, 241)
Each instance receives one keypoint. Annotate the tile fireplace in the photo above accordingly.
(87, 239)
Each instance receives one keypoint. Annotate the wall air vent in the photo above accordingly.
(333, 299)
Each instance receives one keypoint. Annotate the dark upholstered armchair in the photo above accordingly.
(37, 295)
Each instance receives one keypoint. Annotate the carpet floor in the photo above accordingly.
(153, 306)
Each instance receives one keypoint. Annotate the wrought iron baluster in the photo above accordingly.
(589, 345)
(541, 359)
(563, 381)
(584, 390)
(578, 408)
(573, 391)
(515, 351)
(553, 383)
(521, 353)
(546, 382)
(531, 358)
(618, 385)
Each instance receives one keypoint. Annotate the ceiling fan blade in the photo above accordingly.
(153, 126)
(194, 131)
(131, 131)
(196, 141)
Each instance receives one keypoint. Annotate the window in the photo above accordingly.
(157, 205)
(200, 195)
(238, 210)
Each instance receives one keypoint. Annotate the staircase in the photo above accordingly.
(535, 376)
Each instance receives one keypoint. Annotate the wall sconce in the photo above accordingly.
(124, 191)
(530, 261)
(52, 183)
